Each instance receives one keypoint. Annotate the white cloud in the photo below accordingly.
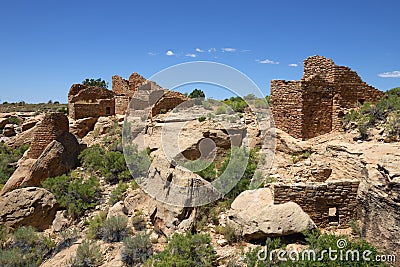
(170, 53)
(199, 50)
(191, 55)
(390, 74)
(267, 61)
(293, 65)
(152, 53)
(228, 49)
(212, 50)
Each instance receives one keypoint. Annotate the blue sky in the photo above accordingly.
(48, 45)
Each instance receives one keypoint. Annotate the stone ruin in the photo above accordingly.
(316, 104)
(87, 101)
(329, 203)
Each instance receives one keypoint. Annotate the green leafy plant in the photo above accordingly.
(136, 250)
(95, 82)
(201, 119)
(75, 194)
(228, 232)
(138, 221)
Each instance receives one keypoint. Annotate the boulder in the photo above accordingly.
(28, 124)
(3, 122)
(81, 127)
(59, 157)
(23, 138)
(9, 130)
(254, 216)
(31, 206)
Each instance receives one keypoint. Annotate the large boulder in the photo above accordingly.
(254, 216)
(29, 124)
(82, 127)
(9, 130)
(3, 122)
(31, 206)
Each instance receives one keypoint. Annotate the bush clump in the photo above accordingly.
(118, 193)
(136, 250)
(8, 160)
(26, 248)
(88, 254)
(186, 250)
(111, 164)
(114, 229)
(75, 194)
(386, 113)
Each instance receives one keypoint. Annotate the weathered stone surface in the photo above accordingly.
(117, 209)
(270, 221)
(9, 130)
(20, 139)
(60, 221)
(52, 126)
(315, 104)
(3, 122)
(81, 127)
(28, 124)
(59, 157)
(31, 206)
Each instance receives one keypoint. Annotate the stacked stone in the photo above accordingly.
(317, 198)
(49, 129)
(315, 104)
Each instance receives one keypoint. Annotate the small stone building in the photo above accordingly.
(88, 101)
(316, 104)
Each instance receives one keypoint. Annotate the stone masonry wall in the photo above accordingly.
(121, 104)
(286, 106)
(315, 104)
(49, 129)
(316, 199)
(102, 108)
(120, 86)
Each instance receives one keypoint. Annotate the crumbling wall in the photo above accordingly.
(52, 126)
(135, 80)
(316, 108)
(315, 104)
(120, 86)
(286, 106)
(121, 104)
(102, 108)
(168, 102)
(88, 101)
(320, 199)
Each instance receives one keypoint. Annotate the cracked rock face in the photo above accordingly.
(254, 216)
(31, 206)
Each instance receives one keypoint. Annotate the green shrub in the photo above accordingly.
(220, 110)
(95, 82)
(88, 254)
(228, 232)
(186, 250)
(95, 225)
(138, 221)
(201, 119)
(114, 229)
(3, 235)
(136, 250)
(117, 193)
(8, 160)
(236, 103)
(318, 243)
(27, 248)
(138, 161)
(14, 120)
(204, 168)
(76, 195)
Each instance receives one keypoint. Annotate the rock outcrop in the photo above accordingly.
(254, 216)
(9, 130)
(31, 206)
(58, 152)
